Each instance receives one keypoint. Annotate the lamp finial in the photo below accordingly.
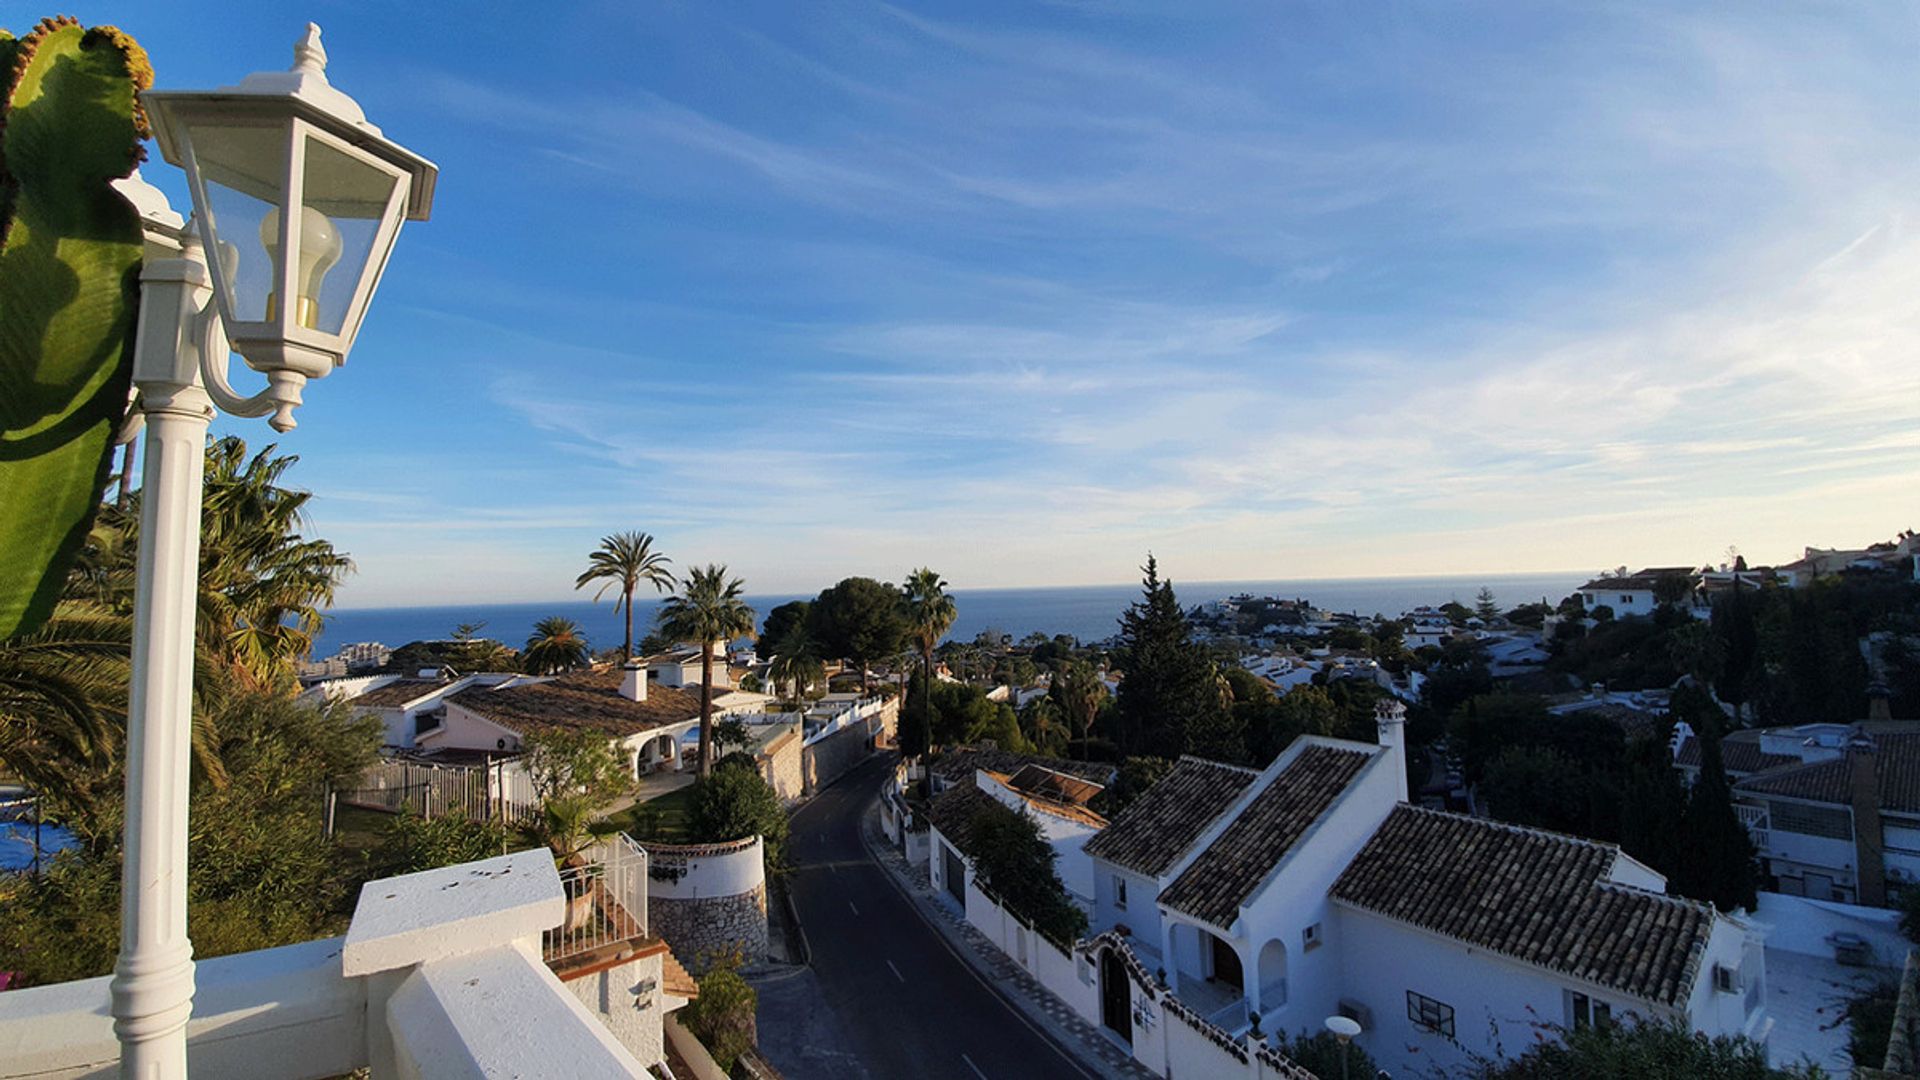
(308, 54)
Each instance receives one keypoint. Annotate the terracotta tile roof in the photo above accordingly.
(959, 763)
(1898, 766)
(1151, 834)
(581, 700)
(952, 812)
(396, 694)
(1241, 857)
(1045, 804)
(1739, 751)
(1532, 895)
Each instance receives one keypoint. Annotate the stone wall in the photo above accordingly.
(827, 759)
(708, 900)
(780, 766)
(705, 929)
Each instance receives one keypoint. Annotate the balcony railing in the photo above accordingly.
(606, 901)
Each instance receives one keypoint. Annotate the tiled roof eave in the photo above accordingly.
(1668, 1000)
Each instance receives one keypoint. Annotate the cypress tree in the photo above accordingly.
(1717, 861)
(1169, 699)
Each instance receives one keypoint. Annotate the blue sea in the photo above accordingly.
(1088, 612)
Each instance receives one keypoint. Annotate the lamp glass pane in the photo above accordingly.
(351, 195)
(243, 168)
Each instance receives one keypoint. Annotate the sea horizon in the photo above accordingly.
(1087, 612)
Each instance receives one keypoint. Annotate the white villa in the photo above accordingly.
(496, 714)
(1634, 594)
(1231, 904)
(1833, 809)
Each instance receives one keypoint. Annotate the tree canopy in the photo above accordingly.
(861, 620)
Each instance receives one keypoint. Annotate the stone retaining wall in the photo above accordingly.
(706, 929)
(826, 760)
(781, 767)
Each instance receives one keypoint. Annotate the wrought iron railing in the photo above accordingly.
(606, 901)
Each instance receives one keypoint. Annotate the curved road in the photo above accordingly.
(885, 996)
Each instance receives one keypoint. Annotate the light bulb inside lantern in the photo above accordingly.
(319, 249)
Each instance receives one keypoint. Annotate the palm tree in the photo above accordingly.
(556, 645)
(623, 561)
(1078, 689)
(930, 614)
(708, 609)
(796, 661)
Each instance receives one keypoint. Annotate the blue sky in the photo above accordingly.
(1023, 290)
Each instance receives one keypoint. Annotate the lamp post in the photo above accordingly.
(300, 199)
(1344, 1028)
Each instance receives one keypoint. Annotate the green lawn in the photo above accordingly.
(358, 828)
(663, 819)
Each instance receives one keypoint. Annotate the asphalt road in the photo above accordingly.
(885, 996)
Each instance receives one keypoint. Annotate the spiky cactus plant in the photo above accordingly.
(70, 124)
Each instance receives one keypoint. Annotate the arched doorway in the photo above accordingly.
(1116, 997)
(1223, 963)
(1273, 975)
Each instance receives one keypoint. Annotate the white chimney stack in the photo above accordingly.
(633, 681)
(1390, 718)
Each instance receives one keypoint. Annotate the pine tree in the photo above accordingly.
(1169, 696)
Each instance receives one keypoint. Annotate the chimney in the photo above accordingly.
(633, 681)
(1879, 705)
(1863, 785)
(1390, 721)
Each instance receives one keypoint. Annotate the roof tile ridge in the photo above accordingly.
(1531, 830)
(1227, 765)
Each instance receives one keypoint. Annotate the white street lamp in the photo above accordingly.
(1344, 1028)
(301, 198)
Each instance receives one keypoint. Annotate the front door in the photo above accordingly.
(1226, 964)
(1116, 1001)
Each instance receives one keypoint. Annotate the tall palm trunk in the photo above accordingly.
(706, 710)
(628, 647)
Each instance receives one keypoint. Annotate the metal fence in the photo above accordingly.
(502, 790)
(606, 900)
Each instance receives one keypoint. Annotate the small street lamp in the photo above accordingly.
(1344, 1028)
(300, 200)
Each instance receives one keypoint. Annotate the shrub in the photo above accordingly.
(733, 804)
(722, 1017)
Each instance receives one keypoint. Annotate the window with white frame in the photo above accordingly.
(1310, 938)
(1119, 892)
(1430, 1015)
(1584, 1011)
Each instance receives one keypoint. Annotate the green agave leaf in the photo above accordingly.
(70, 250)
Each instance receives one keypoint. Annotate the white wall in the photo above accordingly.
(706, 869)
(1142, 913)
(468, 729)
(1485, 990)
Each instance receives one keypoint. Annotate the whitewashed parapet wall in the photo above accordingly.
(439, 975)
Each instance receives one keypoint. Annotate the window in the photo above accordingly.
(1826, 821)
(1726, 979)
(1119, 892)
(1430, 1015)
(1310, 938)
(1626, 601)
(1587, 1012)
